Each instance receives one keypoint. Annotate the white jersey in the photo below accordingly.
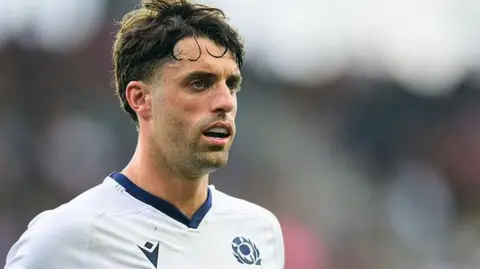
(117, 225)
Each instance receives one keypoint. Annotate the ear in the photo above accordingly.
(138, 96)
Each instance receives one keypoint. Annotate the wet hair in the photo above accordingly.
(148, 35)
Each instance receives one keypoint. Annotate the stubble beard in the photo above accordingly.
(206, 160)
(187, 155)
(190, 159)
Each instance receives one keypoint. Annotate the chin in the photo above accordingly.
(214, 161)
(218, 162)
(209, 168)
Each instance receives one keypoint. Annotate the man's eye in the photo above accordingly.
(233, 86)
(200, 84)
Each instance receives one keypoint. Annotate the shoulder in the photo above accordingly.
(240, 208)
(49, 239)
(252, 215)
(61, 236)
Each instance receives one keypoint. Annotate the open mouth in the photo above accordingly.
(217, 132)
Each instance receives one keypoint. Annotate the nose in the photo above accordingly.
(224, 100)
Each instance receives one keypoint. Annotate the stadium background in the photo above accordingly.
(359, 123)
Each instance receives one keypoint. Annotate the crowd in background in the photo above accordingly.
(364, 171)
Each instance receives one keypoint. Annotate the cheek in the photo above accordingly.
(183, 114)
(234, 111)
(191, 111)
(179, 118)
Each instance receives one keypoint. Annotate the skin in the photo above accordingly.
(173, 159)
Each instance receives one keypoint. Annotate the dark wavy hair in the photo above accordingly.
(148, 35)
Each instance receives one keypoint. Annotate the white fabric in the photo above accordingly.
(106, 227)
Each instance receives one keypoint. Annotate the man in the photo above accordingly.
(177, 71)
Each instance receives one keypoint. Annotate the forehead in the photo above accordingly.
(194, 54)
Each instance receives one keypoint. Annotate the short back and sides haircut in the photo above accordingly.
(148, 35)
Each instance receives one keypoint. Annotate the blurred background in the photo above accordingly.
(359, 123)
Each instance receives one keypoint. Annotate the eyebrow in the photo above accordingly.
(205, 74)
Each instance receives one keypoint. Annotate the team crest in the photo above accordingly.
(245, 251)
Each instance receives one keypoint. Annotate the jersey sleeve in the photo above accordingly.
(51, 241)
(280, 248)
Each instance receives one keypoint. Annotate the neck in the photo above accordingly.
(185, 193)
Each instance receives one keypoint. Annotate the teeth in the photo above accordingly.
(220, 130)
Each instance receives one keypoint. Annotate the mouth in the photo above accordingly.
(219, 131)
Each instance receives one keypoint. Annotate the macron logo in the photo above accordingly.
(151, 252)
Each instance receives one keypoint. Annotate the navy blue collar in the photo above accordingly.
(162, 205)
